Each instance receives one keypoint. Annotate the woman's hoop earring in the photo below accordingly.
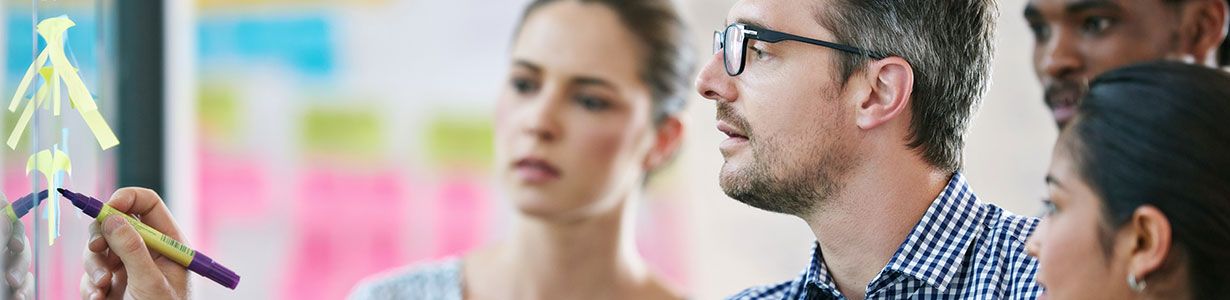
(1136, 285)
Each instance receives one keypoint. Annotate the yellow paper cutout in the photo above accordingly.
(38, 100)
(25, 80)
(52, 30)
(55, 90)
(50, 164)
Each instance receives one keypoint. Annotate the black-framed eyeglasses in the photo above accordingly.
(737, 35)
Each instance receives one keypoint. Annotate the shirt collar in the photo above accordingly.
(934, 251)
(817, 274)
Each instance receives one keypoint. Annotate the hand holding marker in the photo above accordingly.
(195, 261)
(15, 259)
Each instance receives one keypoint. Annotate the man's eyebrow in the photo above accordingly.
(751, 22)
(1080, 6)
(1032, 13)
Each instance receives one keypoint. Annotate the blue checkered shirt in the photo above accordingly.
(961, 249)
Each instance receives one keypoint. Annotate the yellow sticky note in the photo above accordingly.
(102, 132)
(55, 91)
(50, 163)
(38, 100)
(53, 31)
(25, 80)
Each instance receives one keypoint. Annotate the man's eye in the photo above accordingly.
(1041, 31)
(759, 53)
(1096, 25)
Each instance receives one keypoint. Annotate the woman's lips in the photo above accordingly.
(535, 170)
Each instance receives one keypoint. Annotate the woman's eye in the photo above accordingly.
(1096, 25)
(1048, 207)
(592, 103)
(524, 86)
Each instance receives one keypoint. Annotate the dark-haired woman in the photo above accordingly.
(1139, 186)
(590, 109)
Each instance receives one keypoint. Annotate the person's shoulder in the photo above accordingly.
(1008, 234)
(1012, 228)
(774, 291)
(779, 290)
(433, 280)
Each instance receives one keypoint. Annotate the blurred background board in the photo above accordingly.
(308, 144)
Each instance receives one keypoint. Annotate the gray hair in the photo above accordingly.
(948, 43)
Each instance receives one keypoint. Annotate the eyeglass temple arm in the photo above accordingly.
(774, 36)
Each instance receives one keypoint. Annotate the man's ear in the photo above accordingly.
(892, 84)
(1148, 238)
(1203, 28)
(668, 137)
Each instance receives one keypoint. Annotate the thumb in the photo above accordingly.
(124, 242)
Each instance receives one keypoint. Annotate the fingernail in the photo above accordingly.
(97, 275)
(15, 276)
(112, 223)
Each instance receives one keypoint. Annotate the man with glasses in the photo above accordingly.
(849, 114)
(1075, 40)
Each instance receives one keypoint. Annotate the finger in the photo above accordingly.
(86, 287)
(16, 245)
(104, 283)
(17, 278)
(119, 283)
(14, 280)
(20, 260)
(96, 243)
(6, 227)
(112, 262)
(18, 268)
(27, 287)
(127, 244)
(95, 267)
(149, 206)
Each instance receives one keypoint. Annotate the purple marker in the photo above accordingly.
(23, 205)
(197, 262)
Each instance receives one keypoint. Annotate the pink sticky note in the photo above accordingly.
(348, 225)
(461, 214)
(231, 187)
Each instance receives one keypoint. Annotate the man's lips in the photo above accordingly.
(535, 170)
(735, 138)
(1063, 101)
(730, 131)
